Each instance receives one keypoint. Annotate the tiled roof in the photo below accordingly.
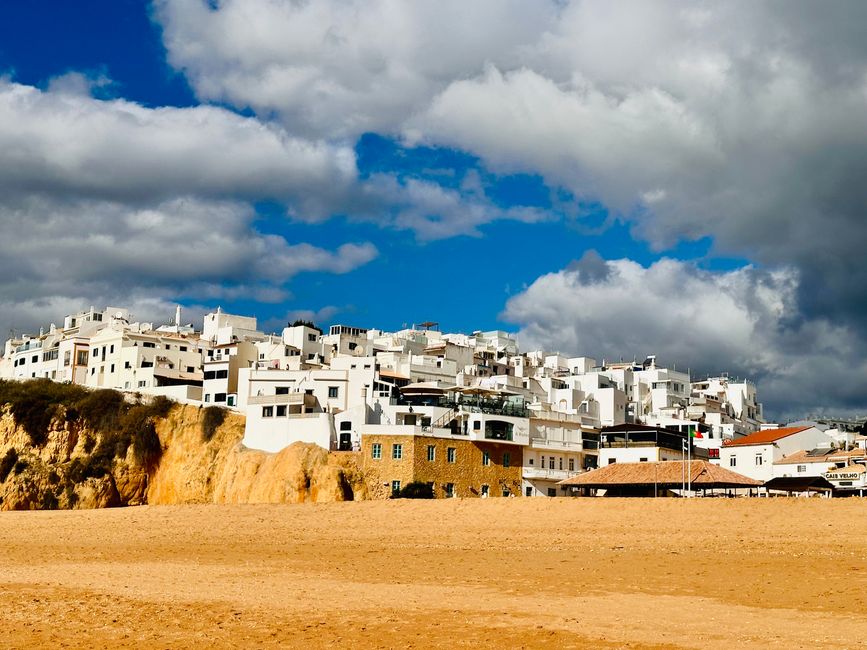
(701, 472)
(830, 456)
(765, 437)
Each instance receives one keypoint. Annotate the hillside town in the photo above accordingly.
(470, 415)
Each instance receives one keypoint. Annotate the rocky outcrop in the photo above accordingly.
(190, 469)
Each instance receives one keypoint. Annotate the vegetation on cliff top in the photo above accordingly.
(212, 418)
(35, 404)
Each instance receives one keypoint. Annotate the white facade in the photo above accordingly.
(755, 455)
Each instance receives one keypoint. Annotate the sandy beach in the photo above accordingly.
(500, 573)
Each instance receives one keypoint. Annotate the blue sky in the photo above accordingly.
(608, 180)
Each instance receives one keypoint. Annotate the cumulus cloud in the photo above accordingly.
(100, 252)
(744, 122)
(738, 321)
(338, 68)
(66, 144)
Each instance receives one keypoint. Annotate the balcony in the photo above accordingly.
(547, 474)
(296, 399)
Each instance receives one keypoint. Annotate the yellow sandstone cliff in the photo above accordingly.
(190, 469)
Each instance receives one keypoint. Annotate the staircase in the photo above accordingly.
(447, 417)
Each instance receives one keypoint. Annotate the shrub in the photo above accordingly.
(212, 418)
(7, 463)
(160, 406)
(49, 501)
(71, 496)
(100, 410)
(415, 490)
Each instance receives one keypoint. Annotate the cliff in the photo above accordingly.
(70, 462)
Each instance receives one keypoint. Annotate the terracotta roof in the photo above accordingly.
(830, 456)
(703, 474)
(765, 437)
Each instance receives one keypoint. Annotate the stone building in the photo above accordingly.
(455, 467)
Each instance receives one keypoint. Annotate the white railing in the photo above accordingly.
(548, 474)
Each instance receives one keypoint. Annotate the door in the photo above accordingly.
(345, 442)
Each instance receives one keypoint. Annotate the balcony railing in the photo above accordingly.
(548, 474)
(288, 398)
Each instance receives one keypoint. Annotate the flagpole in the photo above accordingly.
(689, 464)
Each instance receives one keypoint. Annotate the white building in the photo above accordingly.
(754, 455)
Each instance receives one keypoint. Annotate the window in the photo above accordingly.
(529, 491)
(449, 489)
(507, 459)
(506, 492)
(552, 492)
(282, 390)
(397, 451)
(191, 369)
(451, 454)
(142, 384)
(486, 458)
(111, 349)
(147, 364)
(376, 451)
(127, 365)
(395, 487)
(486, 489)
(210, 374)
(146, 344)
(551, 463)
(183, 348)
(571, 464)
(758, 459)
(168, 347)
(643, 459)
(560, 460)
(431, 453)
(530, 461)
(281, 411)
(802, 468)
(332, 391)
(219, 397)
(112, 368)
(733, 462)
(267, 411)
(542, 462)
(346, 425)
(81, 359)
(311, 338)
(207, 397)
(477, 425)
(611, 461)
(222, 374)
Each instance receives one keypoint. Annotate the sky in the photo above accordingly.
(604, 179)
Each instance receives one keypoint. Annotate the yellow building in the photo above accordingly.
(459, 468)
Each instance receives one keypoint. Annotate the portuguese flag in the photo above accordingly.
(694, 432)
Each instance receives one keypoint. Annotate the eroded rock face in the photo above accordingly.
(190, 469)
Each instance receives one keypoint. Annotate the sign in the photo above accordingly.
(842, 476)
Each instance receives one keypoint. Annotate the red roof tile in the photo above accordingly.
(764, 437)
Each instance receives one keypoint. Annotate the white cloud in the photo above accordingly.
(338, 68)
(100, 252)
(743, 321)
(742, 121)
(71, 145)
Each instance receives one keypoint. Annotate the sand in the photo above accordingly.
(561, 573)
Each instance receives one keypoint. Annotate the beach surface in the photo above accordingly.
(505, 573)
